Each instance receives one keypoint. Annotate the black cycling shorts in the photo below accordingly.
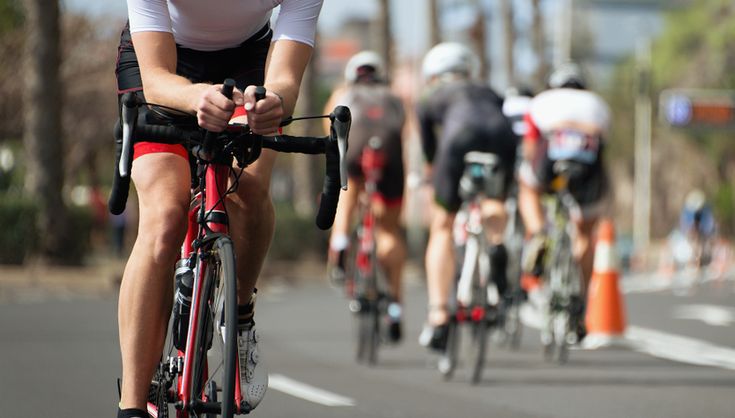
(449, 162)
(588, 188)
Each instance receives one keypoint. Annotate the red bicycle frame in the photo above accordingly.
(216, 180)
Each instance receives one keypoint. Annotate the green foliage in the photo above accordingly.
(698, 47)
(724, 207)
(18, 225)
(295, 236)
(20, 235)
(11, 15)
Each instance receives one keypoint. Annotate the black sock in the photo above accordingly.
(131, 413)
(499, 260)
(245, 314)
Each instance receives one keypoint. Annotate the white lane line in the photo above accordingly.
(714, 315)
(307, 392)
(679, 348)
(660, 344)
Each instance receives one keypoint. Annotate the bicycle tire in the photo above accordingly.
(219, 296)
(480, 327)
(368, 332)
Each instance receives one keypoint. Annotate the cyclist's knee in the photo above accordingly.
(253, 195)
(163, 230)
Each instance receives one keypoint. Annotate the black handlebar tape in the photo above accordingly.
(227, 88)
(259, 93)
(330, 193)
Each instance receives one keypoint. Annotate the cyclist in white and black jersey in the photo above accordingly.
(557, 119)
(177, 53)
(458, 114)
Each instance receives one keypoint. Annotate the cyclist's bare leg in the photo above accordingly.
(391, 248)
(439, 264)
(584, 251)
(494, 219)
(529, 203)
(252, 222)
(346, 205)
(162, 182)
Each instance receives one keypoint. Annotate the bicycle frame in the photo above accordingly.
(202, 228)
(562, 273)
(216, 180)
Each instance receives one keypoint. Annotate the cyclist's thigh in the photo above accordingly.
(254, 183)
(449, 167)
(162, 183)
(387, 215)
(391, 184)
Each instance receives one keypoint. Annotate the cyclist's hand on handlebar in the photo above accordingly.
(214, 110)
(265, 116)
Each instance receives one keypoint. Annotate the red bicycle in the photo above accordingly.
(369, 298)
(200, 377)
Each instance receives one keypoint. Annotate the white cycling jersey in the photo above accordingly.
(210, 25)
(563, 108)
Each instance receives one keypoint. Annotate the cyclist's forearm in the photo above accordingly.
(156, 54)
(285, 68)
(171, 90)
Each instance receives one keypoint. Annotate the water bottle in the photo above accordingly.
(182, 302)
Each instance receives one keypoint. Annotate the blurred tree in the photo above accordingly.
(386, 39)
(509, 35)
(11, 15)
(696, 50)
(434, 28)
(11, 49)
(539, 46)
(42, 126)
(479, 35)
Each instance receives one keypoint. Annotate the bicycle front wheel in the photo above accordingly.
(215, 364)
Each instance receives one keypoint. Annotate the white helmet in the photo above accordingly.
(361, 60)
(565, 74)
(450, 57)
(695, 200)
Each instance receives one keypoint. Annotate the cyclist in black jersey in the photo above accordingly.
(458, 114)
(376, 112)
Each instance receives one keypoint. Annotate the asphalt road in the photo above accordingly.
(59, 358)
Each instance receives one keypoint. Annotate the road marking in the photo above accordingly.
(718, 316)
(679, 348)
(660, 344)
(307, 392)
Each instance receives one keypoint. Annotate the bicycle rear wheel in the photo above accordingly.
(216, 358)
(369, 334)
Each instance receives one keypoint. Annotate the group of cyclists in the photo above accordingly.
(458, 113)
(177, 53)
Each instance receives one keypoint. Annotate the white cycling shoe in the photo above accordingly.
(253, 376)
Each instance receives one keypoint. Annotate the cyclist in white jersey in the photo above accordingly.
(177, 53)
(566, 110)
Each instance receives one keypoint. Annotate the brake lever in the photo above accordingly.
(129, 119)
(341, 121)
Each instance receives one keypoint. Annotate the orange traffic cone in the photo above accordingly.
(605, 319)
